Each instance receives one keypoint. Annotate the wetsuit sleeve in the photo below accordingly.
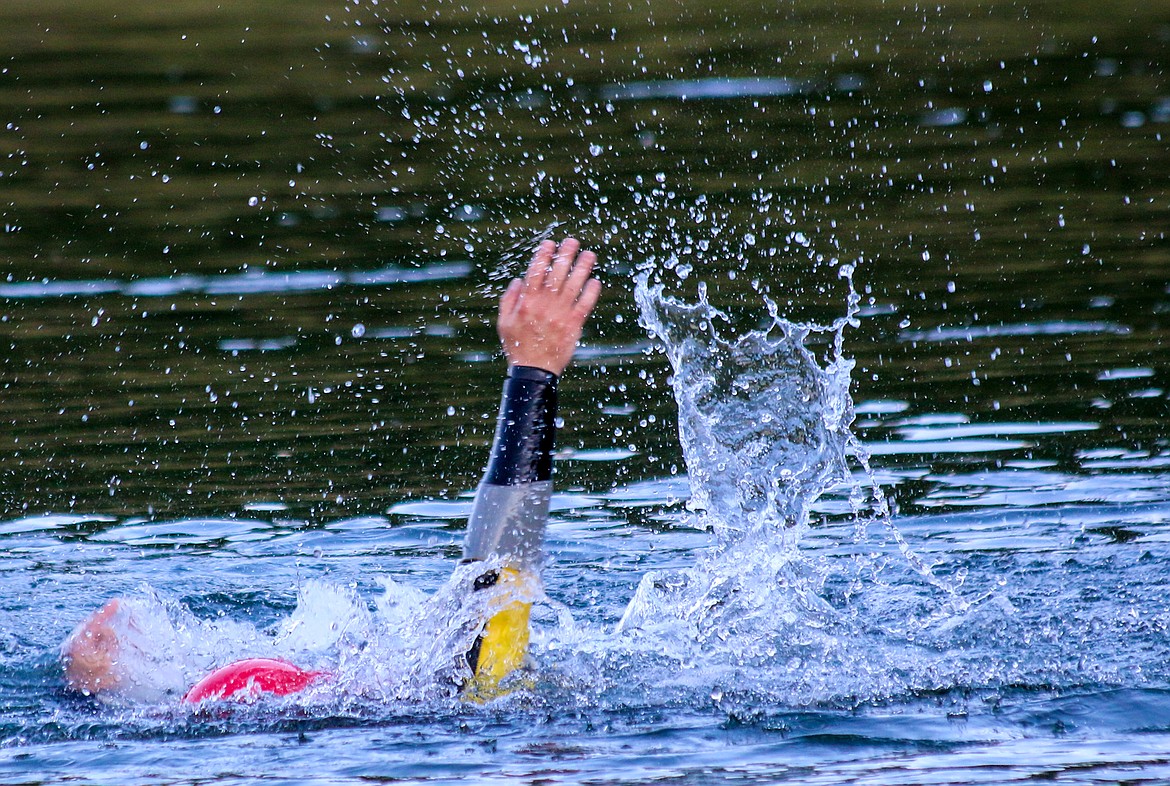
(512, 502)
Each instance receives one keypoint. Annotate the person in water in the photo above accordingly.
(540, 320)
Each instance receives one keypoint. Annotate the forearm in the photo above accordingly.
(512, 502)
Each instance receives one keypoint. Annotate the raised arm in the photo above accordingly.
(540, 321)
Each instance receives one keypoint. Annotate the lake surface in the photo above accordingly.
(247, 278)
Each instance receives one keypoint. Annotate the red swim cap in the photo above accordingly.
(247, 680)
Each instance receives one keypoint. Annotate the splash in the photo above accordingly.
(415, 650)
(765, 430)
(406, 648)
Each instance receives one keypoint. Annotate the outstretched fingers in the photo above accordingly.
(575, 283)
(588, 299)
(541, 315)
(538, 269)
(562, 264)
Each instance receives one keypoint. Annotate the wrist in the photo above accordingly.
(533, 373)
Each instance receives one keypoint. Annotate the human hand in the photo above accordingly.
(541, 315)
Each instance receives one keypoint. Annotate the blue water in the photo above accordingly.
(1059, 670)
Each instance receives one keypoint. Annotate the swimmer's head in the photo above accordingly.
(125, 651)
(90, 654)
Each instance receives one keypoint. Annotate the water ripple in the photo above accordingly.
(971, 332)
(686, 89)
(248, 283)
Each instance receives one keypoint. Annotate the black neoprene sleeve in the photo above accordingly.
(522, 451)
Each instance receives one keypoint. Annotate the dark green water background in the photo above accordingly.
(989, 164)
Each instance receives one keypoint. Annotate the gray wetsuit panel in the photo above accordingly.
(508, 522)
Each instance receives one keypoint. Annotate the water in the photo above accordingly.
(245, 296)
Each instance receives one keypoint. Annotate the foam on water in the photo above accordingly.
(414, 651)
(405, 647)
